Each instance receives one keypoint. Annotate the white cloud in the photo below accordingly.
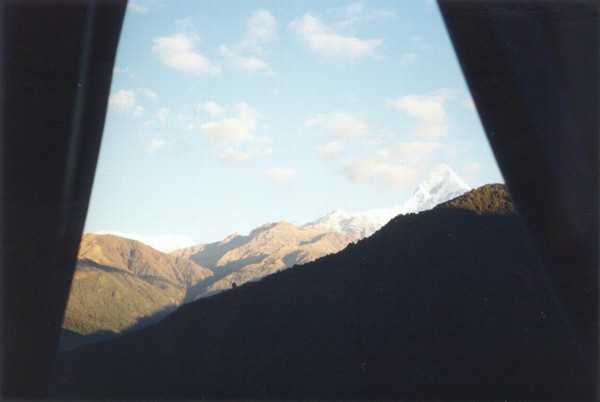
(123, 100)
(213, 109)
(331, 150)
(355, 13)
(138, 111)
(325, 40)
(409, 58)
(136, 7)
(340, 125)
(125, 71)
(177, 51)
(257, 147)
(233, 130)
(379, 169)
(162, 115)
(155, 145)
(227, 131)
(411, 151)
(251, 64)
(262, 27)
(235, 136)
(363, 170)
(279, 175)
(153, 96)
(184, 24)
(427, 110)
(126, 101)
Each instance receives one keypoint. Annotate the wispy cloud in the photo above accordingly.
(250, 64)
(126, 71)
(379, 168)
(395, 167)
(123, 100)
(155, 144)
(235, 135)
(137, 7)
(409, 58)
(428, 111)
(324, 39)
(153, 96)
(177, 51)
(256, 148)
(412, 152)
(213, 109)
(340, 125)
(356, 13)
(261, 28)
(332, 150)
(163, 114)
(279, 175)
(233, 130)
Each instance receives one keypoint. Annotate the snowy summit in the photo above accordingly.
(442, 185)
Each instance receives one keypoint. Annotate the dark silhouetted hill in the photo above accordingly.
(446, 304)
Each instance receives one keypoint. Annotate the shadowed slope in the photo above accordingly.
(445, 304)
(120, 283)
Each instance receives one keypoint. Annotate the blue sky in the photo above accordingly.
(226, 115)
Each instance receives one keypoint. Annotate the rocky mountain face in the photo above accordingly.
(120, 284)
(442, 185)
(266, 250)
(446, 304)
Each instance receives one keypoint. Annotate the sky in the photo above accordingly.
(224, 116)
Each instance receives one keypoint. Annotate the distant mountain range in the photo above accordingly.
(442, 185)
(266, 250)
(165, 243)
(445, 304)
(121, 284)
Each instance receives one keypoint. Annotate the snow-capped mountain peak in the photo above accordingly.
(441, 185)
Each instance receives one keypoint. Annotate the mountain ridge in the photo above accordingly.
(120, 284)
(441, 185)
(384, 319)
(267, 249)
